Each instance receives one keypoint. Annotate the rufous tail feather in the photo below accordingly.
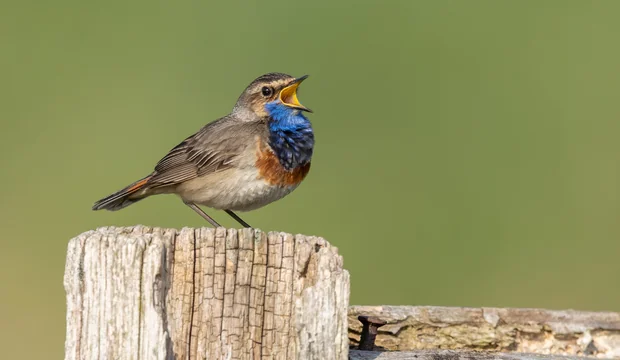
(122, 198)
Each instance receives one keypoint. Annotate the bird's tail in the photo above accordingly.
(124, 197)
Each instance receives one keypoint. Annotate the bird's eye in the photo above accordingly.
(266, 91)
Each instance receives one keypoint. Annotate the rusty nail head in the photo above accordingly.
(369, 331)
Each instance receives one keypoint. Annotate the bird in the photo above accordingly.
(257, 154)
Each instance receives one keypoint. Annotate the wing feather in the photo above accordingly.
(215, 147)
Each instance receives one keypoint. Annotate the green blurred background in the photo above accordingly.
(467, 151)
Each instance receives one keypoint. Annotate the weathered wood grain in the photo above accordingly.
(570, 333)
(152, 293)
(452, 355)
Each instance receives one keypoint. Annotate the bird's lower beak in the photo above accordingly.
(288, 95)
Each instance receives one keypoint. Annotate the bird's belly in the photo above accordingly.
(234, 189)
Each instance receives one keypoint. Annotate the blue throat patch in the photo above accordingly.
(290, 135)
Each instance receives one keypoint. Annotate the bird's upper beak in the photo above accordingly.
(288, 95)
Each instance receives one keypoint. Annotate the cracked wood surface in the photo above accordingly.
(496, 330)
(153, 293)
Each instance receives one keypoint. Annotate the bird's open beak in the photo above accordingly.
(288, 95)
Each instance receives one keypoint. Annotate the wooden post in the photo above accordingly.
(152, 293)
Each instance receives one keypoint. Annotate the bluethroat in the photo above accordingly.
(255, 155)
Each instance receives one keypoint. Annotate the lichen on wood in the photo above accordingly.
(506, 330)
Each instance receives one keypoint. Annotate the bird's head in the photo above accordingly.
(275, 89)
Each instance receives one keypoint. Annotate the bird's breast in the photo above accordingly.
(271, 170)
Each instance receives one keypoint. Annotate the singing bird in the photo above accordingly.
(255, 155)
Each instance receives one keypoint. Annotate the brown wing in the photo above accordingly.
(216, 147)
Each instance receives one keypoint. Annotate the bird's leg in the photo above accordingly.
(203, 214)
(239, 220)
